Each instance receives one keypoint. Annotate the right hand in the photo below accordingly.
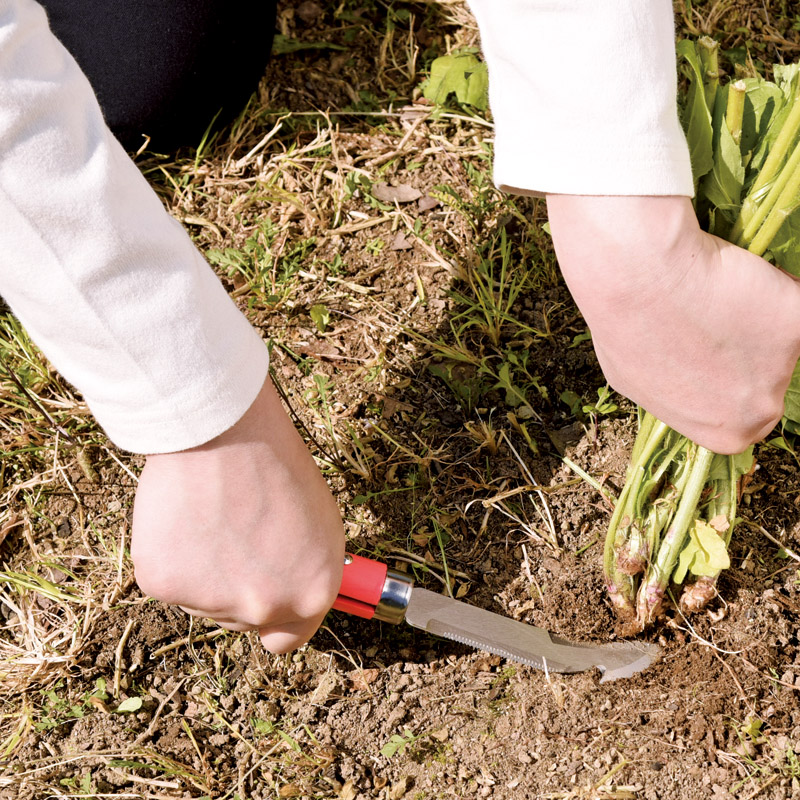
(242, 529)
(699, 332)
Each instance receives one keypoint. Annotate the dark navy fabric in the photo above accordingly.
(165, 68)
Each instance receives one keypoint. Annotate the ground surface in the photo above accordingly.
(434, 403)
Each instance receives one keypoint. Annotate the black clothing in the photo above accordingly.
(165, 68)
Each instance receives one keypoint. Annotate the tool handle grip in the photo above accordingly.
(373, 591)
(362, 586)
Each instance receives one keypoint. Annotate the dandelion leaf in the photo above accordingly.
(724, 468)
(743, 463)
(461, 74)
(320, 316)
(791, 411)
(762, 102)
(722, 186)
(705, 553)
(696, 116)
(719, 470)
(787, 76)
(785, 247)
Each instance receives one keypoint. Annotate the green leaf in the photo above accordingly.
(461, 74)
(572, 400)
(770, 126)
(704, 554)
(786, 76)
(762, 103)
(129, 705)
(397, 743)
(742, 464)
(790, 426)
(100, 689)
(586, 336)
(478, 88)
(514, 396)
(722, 186)
(719, 469)
(321, 317)
(463, 381)
(779, 443)
(696, 116)
(752, 727)
(394, 744)
(791, 411)
(128, 764)
(785, 246)
(285, 44)
(603, 404)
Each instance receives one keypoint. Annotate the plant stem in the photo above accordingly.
(651, 434)
(708, 50)
(700, 593)
(651, 592)
(734, 114)
(772, 165)
(731, 500)
(662, 510)
(771, 201)
(681, 443)
(645, 427)
(784, 205)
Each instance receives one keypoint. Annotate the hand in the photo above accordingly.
(699, 332)
(242, 529)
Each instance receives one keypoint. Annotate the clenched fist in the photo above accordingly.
(242, 529)
(699, 332)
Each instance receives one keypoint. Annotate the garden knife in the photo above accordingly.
(371, 590)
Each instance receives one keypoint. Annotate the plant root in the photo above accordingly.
(698, 595)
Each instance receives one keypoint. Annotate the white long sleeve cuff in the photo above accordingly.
(105, 281)
(583, 95)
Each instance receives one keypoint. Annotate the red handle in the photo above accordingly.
(362, 585)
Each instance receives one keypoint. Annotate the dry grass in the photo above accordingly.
(283, 203)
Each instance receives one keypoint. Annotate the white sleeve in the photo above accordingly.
(583, 95)
(104, 280)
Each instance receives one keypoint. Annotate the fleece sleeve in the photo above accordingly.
(104, 280)
(583, 95)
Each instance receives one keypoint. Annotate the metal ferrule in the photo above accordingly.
(394, 597)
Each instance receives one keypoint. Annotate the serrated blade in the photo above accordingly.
(526, 644)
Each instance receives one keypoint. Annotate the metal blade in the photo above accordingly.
(526, 644)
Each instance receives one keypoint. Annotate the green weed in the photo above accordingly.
(255, 271)
(398, 742)
(495, 285)
(82, 786)
(57, 710)
(349, 450)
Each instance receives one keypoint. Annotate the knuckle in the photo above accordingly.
(768, 410)
(261, 609)
(769, 415)
(318, 603)
(723, 441)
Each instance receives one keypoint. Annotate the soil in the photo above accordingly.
(369, 710)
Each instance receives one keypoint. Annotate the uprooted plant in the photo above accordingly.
(677, 511)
